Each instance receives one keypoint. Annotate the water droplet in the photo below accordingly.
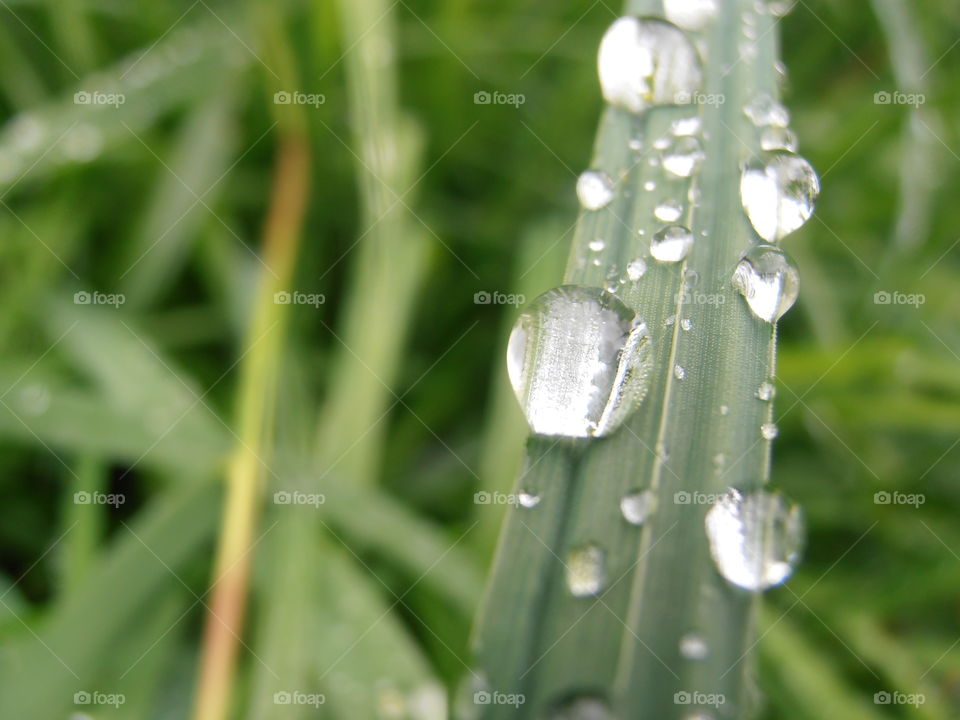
(724, 409)
(684, 157)
(686, 323)
(768, 280)
(686, 126)
(690, 14)
(769, 431)
(693, 646)
(636, 507)
(636, 269)
(671, 244)
(594, 189)
(597, 245)
(764, 110)
(579, 361)
(661, 143)
(528, 500)
(766, 391)
(755, 539)
(678, 372)
(586, 571)
(668, 211)
(645, 62)
(580, 707)
(778, 191)
(635, 144)
(778, 138)
(779, 8)
(649, 186)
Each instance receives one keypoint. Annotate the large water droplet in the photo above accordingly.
(778, 191)
(586, 571)
(764, 110)
(684, 157)
(580, 707)
(579, 361)
(645, 62)
(768, 280)
(636, 507)
(594, 189)
(690, 14)
(671, 244)
(778, 138)
(755, 539)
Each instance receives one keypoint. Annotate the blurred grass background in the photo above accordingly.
(390, 397)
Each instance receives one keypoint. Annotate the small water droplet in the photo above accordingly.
(671, 244)
(635, 144)
(649, 186)
(769, 431)
(690, 14)
(646, 62)
(686, 126)
(579, 361)
(724, 409)
(678, 372)
(597, 245)
(594, 189)
(528, 500)
(778, 138)
(768, 281)
(693, 646)
(780, 8)
(668, 211)
(765, 110)
(636, 507)
(661, 143)
(586, 571)
(755, 538)
(636, 268)
(684, 157)
(686, 323)
(778, 191)
(766, 391)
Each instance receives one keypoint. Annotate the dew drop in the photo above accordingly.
(668, 211)
(778, 191)
(766, 391)
(765, 110)
(586, 571)
(684, 157)
(661, 143)
(635, 144)
(636, 269)
(778, 138)
(636, 507)
(686, 126)
(678, 372)
(597, 245)
(693, 646)
(780, 8)
(594, 189)
(686, 324)
(768, 281)
(690, 14)
(649, 186)
(671, 244)
(755, 539)
(528, 500)
(724, 409)
(769, 431)
(647, 62)
(579, 361)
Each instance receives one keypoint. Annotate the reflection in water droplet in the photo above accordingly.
(594, 189)
(768, 281)
(579, 362)
(671, 244)
(764, 110)
(778, 191)
(766, 391)
(778, 138)
(690, 14)
(645, 62)
(684, 157)
(694, 647)
(528, 500)
(636, 269)
(769, 431)
(636, 507)
(668, 211)
(755, 539)
(586, 571)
